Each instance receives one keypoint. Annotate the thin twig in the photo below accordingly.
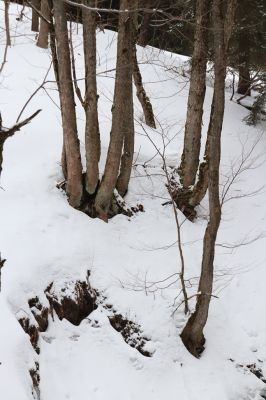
(34, 93)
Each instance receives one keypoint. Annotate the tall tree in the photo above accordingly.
(92, 133)
(122, 131)
(192, 140)
(144, 31)
(44, 24)
(222, 17)
(36, 5)
(71, 149)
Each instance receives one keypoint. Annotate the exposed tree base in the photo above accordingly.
(194, 342)
(182, 197)
(187, 199)
(182, 200)
(117, 206)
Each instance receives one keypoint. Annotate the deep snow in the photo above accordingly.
(45, 240)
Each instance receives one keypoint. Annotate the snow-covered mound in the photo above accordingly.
(133, 263)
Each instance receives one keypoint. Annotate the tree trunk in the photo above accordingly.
(129, 135)
(121, 110)
(92, 134)
(56, 74)
(191, 150)
(44, 26)
(192, 335)
(35, 16)
(144, 31)
(141, 93)
(244, 73)
(74, 185)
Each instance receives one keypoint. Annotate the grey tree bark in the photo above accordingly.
(121, 111)
(74, 186)
(92, 134)
(43, 37)
(244, 81)
(144, 31)
(192, 141)
(35, 16)
(141, 93)
(192, 335)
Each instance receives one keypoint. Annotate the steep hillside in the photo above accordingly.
(127, 345)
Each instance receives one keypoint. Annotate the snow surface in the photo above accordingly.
(45, 240)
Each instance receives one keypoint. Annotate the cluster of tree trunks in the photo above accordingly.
(222, 22)
(88, 191)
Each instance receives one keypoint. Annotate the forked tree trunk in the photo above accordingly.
(192, 335)
(141, 93)
(35, 16)
(44, 26)
(74, 185)
(191, 150)
(121, 111)
(92, 134)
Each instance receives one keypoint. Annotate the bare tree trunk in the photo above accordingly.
(92, 134)
(74, 185)
(56, 74)
(192, 335)
(129, 138)
(121, 122)
(191, 150)
(35, 16)
(8, 39)
(44, 26)
(141, 93)
(144, 31)
(244, 82)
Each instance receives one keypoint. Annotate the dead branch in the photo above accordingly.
(6, 133)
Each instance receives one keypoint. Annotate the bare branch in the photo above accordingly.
(4, 134)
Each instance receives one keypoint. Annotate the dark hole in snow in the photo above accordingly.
(74, 304)
(131, 333)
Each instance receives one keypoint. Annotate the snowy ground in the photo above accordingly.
(45, 240)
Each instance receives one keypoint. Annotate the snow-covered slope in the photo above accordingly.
(44, 240)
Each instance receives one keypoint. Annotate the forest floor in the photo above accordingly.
(133, 262)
